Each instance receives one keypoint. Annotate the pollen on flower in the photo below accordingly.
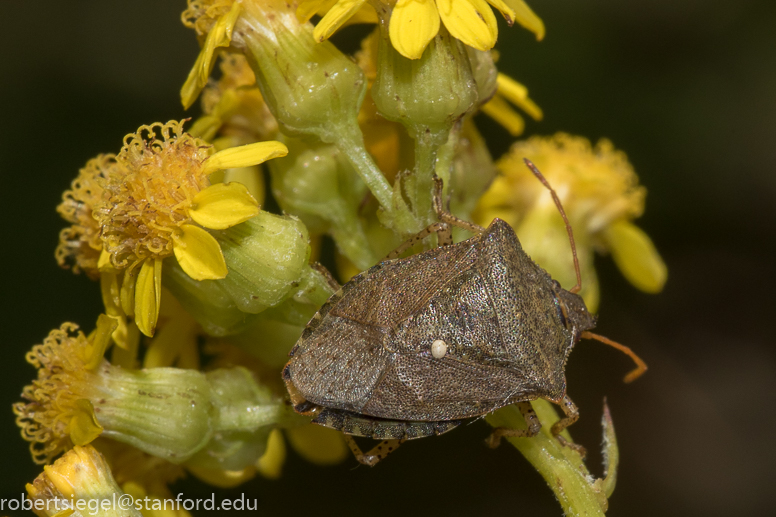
(57, 406)
(149, 191)
(80, 245)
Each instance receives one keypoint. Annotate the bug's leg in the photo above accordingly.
(445, 215)
(378, 452)
(440, 228)
(532, 423)
(572, 415)
(335, 286)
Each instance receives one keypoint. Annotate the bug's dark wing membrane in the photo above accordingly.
(339, 364)
(416, 387)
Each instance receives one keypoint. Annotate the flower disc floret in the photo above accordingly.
(80, 244)
(58, 413)
(149, 191)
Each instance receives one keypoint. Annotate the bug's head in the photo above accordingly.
(574, 312)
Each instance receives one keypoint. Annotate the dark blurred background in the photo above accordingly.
(687, 89)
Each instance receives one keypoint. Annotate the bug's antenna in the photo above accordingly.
(641, 366)
(544, 181)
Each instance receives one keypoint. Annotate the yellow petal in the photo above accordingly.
(336, 16)
(220, 35)
(413, 24)
(244, 155)
(506, 11)
(199, 254)
(127, 292)
(517, 94)
(84, 426)
(525, 17)
(223, 205)
(222, 478)
(497, 109)
(471, 21)
(251, 177)
(636, 256)
(148, 292)
(308, 8)
(270, 465)
(99, 341)
(317, 444)
(104, 263)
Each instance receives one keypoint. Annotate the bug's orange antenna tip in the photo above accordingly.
(641, 366)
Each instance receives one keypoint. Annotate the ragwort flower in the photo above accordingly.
(601, 195)
(154, 200)
(414, 23)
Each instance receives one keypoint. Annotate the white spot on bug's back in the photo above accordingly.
(438, 349)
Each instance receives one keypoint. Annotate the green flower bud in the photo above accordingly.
(311, 88)
(165, 412)
(426, 95)
(206, 301)
(318, 184)
(265, 257)
(246, 413)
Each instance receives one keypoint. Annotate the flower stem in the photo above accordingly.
(561, 467)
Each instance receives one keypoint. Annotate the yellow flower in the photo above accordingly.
(601, 195)
(414, 23)
(498, 108)
(58, 412)
(80, 476)
(153, 200)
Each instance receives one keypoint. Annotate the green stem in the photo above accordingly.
(352, 146)
(561, 467)
(444, 160)
(425, 161)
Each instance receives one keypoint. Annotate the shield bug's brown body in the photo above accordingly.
(414, 346)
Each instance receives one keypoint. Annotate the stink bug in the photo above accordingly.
(413, 347)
